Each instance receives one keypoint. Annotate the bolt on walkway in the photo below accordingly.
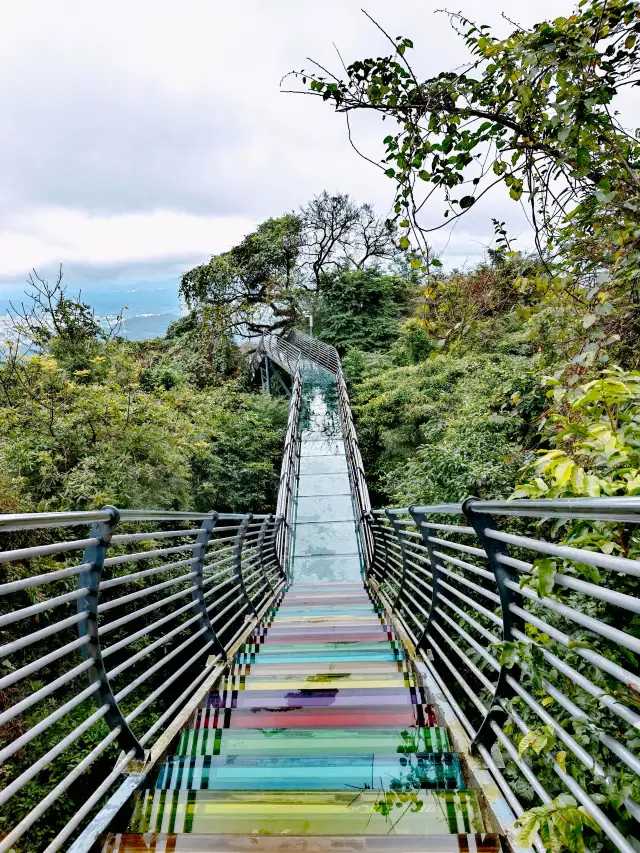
(321, 736)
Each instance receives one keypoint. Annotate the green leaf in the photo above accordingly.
(436, 263)
(578, 479)
(589, 821)
(528, 826)
(592, 486)
(546, 573)
(526, 742)
(563, 471)
(583, 157)
(404, 242)
(467, 201)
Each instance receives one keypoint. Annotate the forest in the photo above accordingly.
(518, 376)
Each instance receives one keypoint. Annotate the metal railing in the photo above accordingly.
(285, 508)
(522, 634)
(279, 350)
(110, 621)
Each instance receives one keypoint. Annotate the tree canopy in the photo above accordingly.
(535, 111)
(256, 286)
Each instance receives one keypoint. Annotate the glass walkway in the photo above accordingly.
(325, 540)
(321, 736)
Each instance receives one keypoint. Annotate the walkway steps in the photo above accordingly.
(194, 843)
(342, 753)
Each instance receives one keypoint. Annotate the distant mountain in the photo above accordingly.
(143, 326)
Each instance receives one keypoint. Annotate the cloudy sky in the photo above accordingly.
(138, 137)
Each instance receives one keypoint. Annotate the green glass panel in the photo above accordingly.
(283, 741)
(308, 813)
(324, 508)
(316, 464)
(325, 538)
(324, 484)
(395, 772)
(322, 447)
(326, 569)
(313, 648)
(314, 610)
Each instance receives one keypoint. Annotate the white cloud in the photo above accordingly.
(142, 131)
(42, 238)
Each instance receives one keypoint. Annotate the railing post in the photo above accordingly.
(278, 544)
(397, 528)
(236, 558)
(261, 537)
(199, 551)
(368, 521)
(266, 368)
(94, 555)
(481, 522)
(383, 535)
(421, 524)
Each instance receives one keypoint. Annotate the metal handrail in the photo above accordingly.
(285, 507)
(463, 590)
(143, 615)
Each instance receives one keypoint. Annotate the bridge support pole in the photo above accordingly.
(481, 522)
(94, 556)
(199, 551)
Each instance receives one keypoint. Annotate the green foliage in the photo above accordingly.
(435, 431)
(126, 438)
(593, 430)
(414, 343)
(88, 420)
(358, 308)
(251, 287)
(559, 823)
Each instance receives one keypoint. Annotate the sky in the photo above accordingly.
(139, 137)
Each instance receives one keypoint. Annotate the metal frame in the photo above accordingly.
(144, 635)
(480, 598)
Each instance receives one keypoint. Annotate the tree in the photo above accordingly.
(251, 288)
(358, 308)
(48, 321)
(534, 112)
(257, 286)
(337, 233)
(49, 328)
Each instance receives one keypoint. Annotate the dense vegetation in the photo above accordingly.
(88, 419)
